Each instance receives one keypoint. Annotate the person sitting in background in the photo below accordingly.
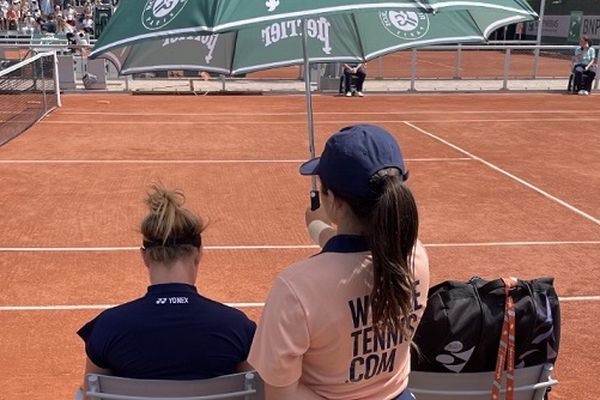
(584, 69)
(63, 27)
(69, 15)
(35, 8)
(87, 24)
(57, 12)
(12, 18)
(29, 24)
(4, 6)
(87, 10)
(357, 71)
(172, 332)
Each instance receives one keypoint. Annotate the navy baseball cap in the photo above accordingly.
(352, 156)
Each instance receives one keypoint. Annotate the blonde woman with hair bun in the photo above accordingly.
(172, 332)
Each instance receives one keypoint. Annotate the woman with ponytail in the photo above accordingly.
(339, 325)
(172, 332)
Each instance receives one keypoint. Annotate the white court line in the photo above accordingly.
(304, 121)
(99, 307)
(568, 299)
(436, 112)
(508, 174)
(515, 244)
(436, 64)
(288, 247)
(49, 161)
(136, 248)
(450, 121)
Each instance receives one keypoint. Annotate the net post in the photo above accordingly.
(43, 76)
(56, 80)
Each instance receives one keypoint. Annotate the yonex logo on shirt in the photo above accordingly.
(172, 300)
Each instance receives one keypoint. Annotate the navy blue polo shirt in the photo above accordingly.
(170, 333)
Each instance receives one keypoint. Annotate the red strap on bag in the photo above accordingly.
(506, 350)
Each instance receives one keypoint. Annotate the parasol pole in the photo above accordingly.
(314, 193)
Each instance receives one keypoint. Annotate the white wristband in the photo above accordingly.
(315, 228)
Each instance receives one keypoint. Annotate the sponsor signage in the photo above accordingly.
(559, 26)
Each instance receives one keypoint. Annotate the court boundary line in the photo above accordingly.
(83, 307)
(506, 173)
(174, 123)
(213, 161)
(291, 247)
(176, 114)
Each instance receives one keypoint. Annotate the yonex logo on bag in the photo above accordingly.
(158, 13)
(457, 359)
(408, 25)
(161, 300)
(272, 5)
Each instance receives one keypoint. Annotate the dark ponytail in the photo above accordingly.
(392, 232)
(391, 225)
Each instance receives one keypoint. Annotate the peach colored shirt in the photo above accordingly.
(316, 327)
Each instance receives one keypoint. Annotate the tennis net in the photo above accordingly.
(28, 91)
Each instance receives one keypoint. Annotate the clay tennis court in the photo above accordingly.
(442, 64)
(507, 185)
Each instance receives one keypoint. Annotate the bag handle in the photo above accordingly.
(506, 350)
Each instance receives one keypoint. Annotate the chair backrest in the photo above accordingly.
(531, 383)
(241, 386)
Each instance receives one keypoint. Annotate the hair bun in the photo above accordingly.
(160, 199)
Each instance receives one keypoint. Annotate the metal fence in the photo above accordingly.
(507, 65)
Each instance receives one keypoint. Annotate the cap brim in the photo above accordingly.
(311, 167)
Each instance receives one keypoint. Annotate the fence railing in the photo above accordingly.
(503, 62)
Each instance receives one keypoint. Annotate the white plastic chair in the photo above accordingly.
(531, 383)
(241, 386)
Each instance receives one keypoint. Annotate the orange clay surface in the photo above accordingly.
(507, 185)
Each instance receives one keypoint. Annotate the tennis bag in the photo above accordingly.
(461, 327)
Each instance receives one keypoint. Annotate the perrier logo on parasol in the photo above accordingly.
(158, 13)
(408, 25)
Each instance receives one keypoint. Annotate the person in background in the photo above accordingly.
(57, 12)
(4, 6)
(584, 69)
(63, 27)
(358, 71)
(87, 24)
(339, 325)
(12, 18)
(172, 332)
(30, 25)
(69, 15)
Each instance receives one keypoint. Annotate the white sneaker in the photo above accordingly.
(581, 92)
(360, 94)
(586, 93)
(348, 94)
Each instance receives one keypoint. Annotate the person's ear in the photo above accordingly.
(145, 257)
(198, 256)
